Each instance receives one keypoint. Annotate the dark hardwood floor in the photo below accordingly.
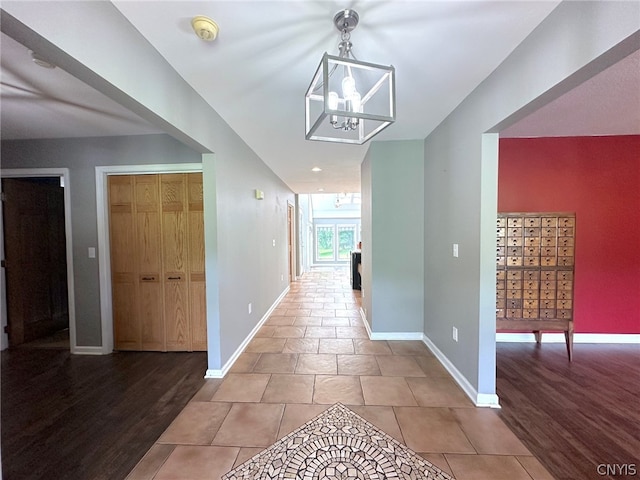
(89, 417)
(574, 416)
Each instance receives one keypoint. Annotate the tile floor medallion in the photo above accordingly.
(337, 445)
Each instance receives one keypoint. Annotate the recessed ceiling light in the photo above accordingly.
(316, 169)
(321, 189)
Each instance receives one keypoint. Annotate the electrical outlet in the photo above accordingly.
(249, 307)
(455, 250)
(274, 242)
(455, 334)
(282, 278)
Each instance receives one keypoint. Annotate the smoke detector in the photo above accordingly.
(205, 28)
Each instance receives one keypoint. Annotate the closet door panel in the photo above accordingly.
(173, 190)
(174, 223)
(198, 313)
(123, 266)
(197, 290)
(176, 314)
(149, 260)
(151, 316)
(149, 255)
(125, 323)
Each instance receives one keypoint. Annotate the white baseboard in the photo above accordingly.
(577, 337)
(366, 324)
(213, 373)
(388, 335)
(479, 399)
(396, 335)
(88, 351)
(220, 373)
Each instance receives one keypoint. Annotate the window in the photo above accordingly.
(334, 242)
(325, 243)
(346, 240)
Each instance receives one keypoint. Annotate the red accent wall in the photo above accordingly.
(598, 178)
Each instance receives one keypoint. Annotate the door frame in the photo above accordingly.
(104, 254)
(68, 232)
(291, 243)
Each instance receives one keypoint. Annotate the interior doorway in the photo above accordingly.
(104, 251)
(36, 285)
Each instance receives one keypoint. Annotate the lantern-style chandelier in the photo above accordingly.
(349, 101)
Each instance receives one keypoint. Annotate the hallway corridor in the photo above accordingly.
(312, 352)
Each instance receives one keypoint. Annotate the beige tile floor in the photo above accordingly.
(312, 352)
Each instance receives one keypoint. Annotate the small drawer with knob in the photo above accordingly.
(532, 232)
(547, 241)
(566, 222)
(514, 313)
(532, 242)
(532, 222)
(564, 314)
(547, 313)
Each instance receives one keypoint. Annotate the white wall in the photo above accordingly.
(303, 233)
(241, 263)
(393, 238)
(575, 42)
(81, 156)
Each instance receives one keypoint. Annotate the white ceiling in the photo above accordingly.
(49, 103)
(255, 75)
(606, 104)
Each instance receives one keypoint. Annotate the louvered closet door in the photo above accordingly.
(157, 262)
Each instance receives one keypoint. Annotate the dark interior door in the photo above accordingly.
(35, 254)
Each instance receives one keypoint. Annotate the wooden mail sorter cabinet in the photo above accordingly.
(535, 273)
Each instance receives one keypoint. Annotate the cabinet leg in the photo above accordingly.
(568, 335)
(538, 335)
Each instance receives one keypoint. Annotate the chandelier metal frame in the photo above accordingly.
(367, 105)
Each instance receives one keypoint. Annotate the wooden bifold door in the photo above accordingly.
(156, 226)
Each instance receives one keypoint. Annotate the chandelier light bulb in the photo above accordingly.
(356, 102)
(333, 100)
(348, 86)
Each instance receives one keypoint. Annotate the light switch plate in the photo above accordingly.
(455, 250)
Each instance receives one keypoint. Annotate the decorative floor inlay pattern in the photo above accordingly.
(337, 445)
